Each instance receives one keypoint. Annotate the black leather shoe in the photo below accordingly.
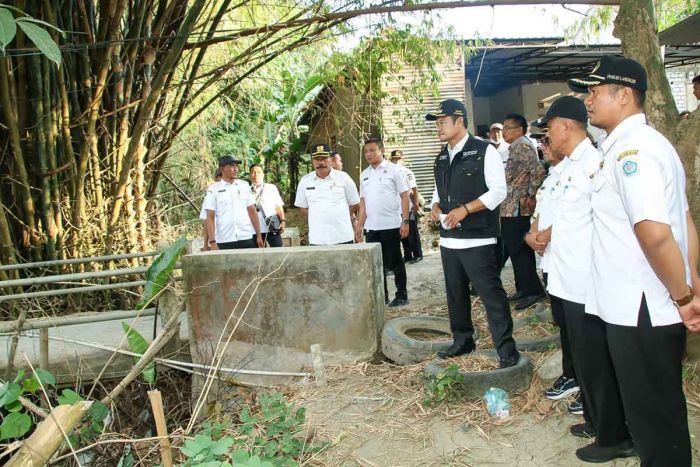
(398, 302)
(515, 296)
(528, 301)
(600, 454)
(508, 362)
(582, 430)
(415, 260)
(457, 349)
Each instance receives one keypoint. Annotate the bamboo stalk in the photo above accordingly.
(166, 454)
(44, 349)
(38, 449)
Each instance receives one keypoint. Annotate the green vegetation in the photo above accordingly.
(446, 387)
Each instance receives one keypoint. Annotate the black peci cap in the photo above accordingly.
(396, 153)
(321, 150)
(448, 107)
(228, 160)
(564, 107)
(613, 70)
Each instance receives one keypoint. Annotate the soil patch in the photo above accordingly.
(428, 334)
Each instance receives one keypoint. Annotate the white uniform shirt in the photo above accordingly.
(545, 207)
(642, 179)
(328, 200)
(503, 151)
(267, 198)
(203, 212)
(410, 181)
(230, 202)
(380, 188)
(495, 177)
(572, 226)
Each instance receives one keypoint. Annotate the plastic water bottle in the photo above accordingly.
(497, 403)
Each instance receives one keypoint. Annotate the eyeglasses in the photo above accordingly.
(546, 141)
(506, 127)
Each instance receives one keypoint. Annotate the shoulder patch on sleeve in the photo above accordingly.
(630, 167)
(631, 152)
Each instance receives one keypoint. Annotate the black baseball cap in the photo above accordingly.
(321, 150)
(448, 107)
(396, 153)
(613, 70)
(228, 160)
(564, 107)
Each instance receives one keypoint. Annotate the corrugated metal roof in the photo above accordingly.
(504, 64)
(405, 126)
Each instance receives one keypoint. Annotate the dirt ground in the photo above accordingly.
(374, 416)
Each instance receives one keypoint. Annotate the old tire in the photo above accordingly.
(536, 344)
(402, 349)
(514, 379)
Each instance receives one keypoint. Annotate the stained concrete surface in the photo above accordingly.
(280, 301)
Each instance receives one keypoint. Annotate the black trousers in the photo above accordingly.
(250, 243)
(411, 245)
(477, 266)
(271, 239)
(567, 362)
(575, 322)
(638, 378)
(513, 230)
(390, 240)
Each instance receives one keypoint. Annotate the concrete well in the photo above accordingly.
(286, 300)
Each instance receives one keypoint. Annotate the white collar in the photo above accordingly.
(459, 146)
(382, 164)
(580, 149)
(629, 122)
(331, 175)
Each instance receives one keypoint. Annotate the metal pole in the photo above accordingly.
(76, 318)
(62, 262)
(72, 277)
(89, 288)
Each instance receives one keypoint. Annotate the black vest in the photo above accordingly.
(461, 182)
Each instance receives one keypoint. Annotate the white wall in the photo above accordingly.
(533, 93)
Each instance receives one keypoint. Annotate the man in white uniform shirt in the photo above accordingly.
(328, 197)
(232, 220)
(469, 186)
(496, 137)
(571, 236)
(384, 214)
(639, 299)
(412, 250)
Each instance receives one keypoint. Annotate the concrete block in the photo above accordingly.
(290, 237)
(274, 303)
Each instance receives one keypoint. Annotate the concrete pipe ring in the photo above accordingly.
(514, 379)
(536, 343)
(412, 339)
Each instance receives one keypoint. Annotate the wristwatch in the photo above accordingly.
(404, 221)
(684, 300)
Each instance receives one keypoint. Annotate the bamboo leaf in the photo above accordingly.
(8, 28)
(159, 272)
(42, 39)
(15, 425)
(139, 345)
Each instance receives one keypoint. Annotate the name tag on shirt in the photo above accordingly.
(310, 187)
(222, 191)
(442, 158)
(470, 153)
(365, 179)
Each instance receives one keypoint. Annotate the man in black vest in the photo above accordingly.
(469, 185)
